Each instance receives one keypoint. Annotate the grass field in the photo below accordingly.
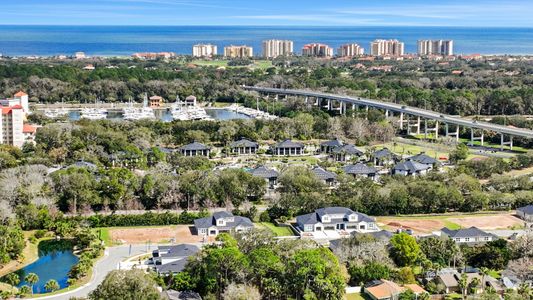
(278, 231)
(354, 296)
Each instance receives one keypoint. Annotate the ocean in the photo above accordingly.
(125, 40)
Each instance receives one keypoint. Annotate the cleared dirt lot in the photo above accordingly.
(489, 222)
(181, 234)
(423, 224)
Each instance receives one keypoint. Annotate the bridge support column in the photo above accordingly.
(343, 108)
(474, 138)
(366, 112)
(456, 133)
(306, 99)
(386, 114)
(503, 142)
(411, 125)
(401, 121)
(435, 129)
(276, 97)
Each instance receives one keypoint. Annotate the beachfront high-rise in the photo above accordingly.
(275, 48)
(14, 111)
(386, 48)
(317, 50)
(435, 47)
(350, 50)
(238, 51)
(204, 50)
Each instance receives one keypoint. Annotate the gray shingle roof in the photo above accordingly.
(315, 217)
(211, 221)
(411, 166)
(332, 143)
(187, 295)
(348, 149)
(182, 250)
(244, 143)
(84, 164)
(424, 159)
(359, 169)
(172, 267)
(263, 172)
(288, 144)
(466, 232)
(526, 209)
(194, 146)
(385, 152)
(323, 174)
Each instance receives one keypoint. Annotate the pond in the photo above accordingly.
(55, 261)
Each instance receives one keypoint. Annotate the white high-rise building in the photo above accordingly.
(204, 50)
(386, 48)
(12, 126)
(350, 50)
(275, 48)
(317, 50)
(435, 47)
(238, 51)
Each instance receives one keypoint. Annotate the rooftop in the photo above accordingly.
(194, 146)
(264, 172)
(289, 144)
(359, 169)
(323, 174)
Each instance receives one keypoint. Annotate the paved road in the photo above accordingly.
(428, 114)
(108, 263)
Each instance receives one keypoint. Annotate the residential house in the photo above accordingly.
(195, 149)
(472, 235)
(185, 295)
(336, 218)
(329, 178)
(270, 175)
(328, 146)
(222, 222)
(346, 153)
(525, 213)
(424, 159)
(383, 157)
(383, 290)
(410, 168)
(288, 148)
(244, 146)
(84, 164)
(449, 278)
(361, 170)
(172, 259)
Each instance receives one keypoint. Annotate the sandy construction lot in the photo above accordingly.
(424, 225)
(488, 222)
(181, 234)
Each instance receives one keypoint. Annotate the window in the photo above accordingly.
(467, 239)
(220, 222)
(457, 239)
(487, 238)
(308, 228)
(371, 225)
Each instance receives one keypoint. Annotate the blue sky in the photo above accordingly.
(478, 13)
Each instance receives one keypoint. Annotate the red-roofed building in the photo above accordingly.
(11, 126)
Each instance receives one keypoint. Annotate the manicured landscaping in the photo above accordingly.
(277, 230)
(354, 296)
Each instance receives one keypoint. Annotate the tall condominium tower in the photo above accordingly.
(238, 51)
(350, 50)
(204, 50)
(439, 47)
(317, 50)
(275, 48)
(386, 47)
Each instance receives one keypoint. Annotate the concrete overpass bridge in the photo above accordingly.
(411, 118)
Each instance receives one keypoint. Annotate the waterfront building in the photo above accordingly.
(19, 98)
(156, 101)
(80, 55)
(387, 48)
(317, 50)
(435, 47)
(204, 50)
(12, 125)
(275, 48)
(238, 51)
(350, 50)
(153, 55)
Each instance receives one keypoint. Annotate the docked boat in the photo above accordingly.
(184, 112)
(133, 114)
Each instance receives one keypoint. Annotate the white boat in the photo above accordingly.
(93, 114)
(185, 113)
(56, 113)
(132, 113)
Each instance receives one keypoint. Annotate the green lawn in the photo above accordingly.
(261, 64)
(278, 231)
(354, 296)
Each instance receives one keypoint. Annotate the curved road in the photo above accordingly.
(423, 113)
(106, 264)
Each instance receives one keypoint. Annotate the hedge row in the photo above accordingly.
(146, 219)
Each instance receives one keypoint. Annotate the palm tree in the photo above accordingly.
(12, 279)
(23, 290)
(484, 271)
(31, 279)
(51, 285)
(463, 284)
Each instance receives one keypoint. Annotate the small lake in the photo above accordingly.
(55, 261)
(165, 115)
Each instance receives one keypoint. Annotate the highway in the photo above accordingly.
(408, 110)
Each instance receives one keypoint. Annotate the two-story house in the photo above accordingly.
(222, 221)
(336, 218)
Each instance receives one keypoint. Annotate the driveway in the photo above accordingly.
(106, 264)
